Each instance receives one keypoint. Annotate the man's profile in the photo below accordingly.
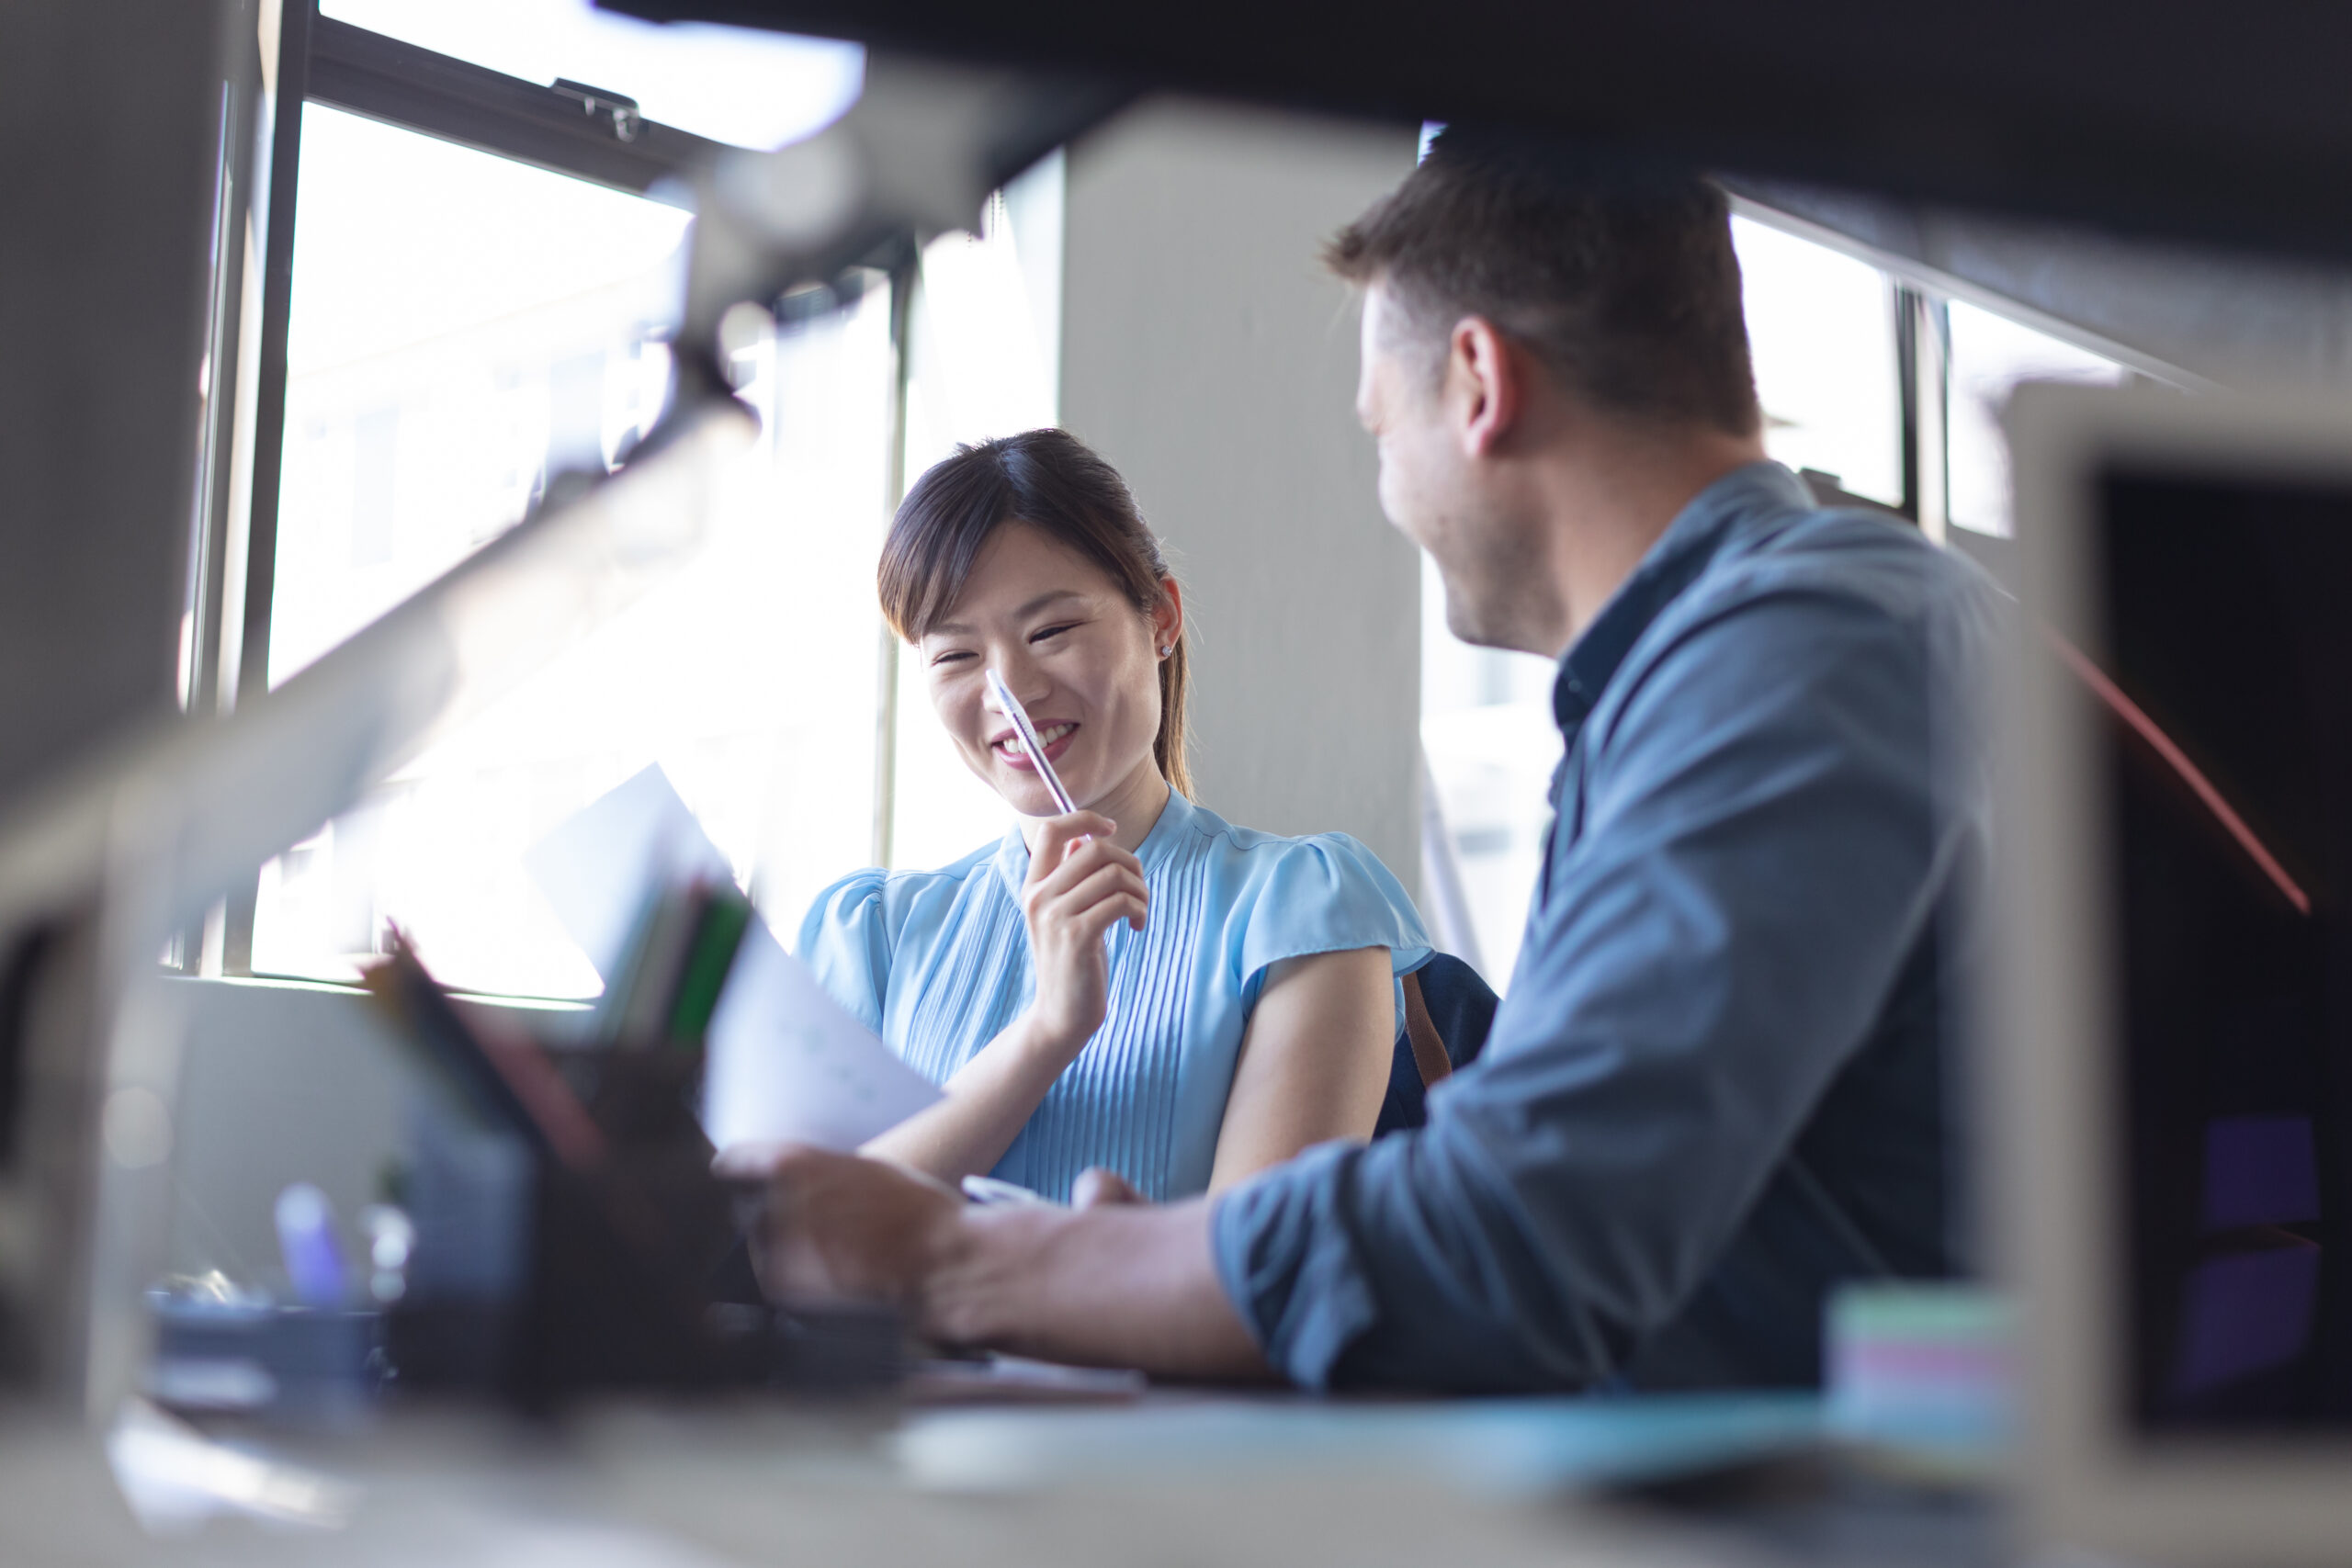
(1717, 1085)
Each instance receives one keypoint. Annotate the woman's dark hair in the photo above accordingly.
(1054, 482)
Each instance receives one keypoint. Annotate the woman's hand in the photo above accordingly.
(1076, 891)
(1080, 884)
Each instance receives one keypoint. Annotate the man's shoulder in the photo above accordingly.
(1845, 551)
(1865, 570)
(1807, 597)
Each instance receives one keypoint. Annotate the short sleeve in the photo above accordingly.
(1325, 894)
(845, 941)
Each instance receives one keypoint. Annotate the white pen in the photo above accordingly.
(1028, 734)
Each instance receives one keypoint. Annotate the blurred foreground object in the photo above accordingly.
(916, 156)
(111, 855)
(571, 1237)
(2172, 1039)
(1923, 1375)
(101, 867)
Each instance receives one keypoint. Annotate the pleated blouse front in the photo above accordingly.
(937, 963)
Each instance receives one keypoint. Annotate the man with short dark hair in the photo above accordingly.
(1717, 1084)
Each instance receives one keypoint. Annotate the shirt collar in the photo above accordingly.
(1689, 543)
(1013, 854)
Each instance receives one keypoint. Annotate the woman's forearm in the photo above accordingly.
(1080, 885)
(987, 1103)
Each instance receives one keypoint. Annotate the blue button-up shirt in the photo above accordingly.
(1717, 1083)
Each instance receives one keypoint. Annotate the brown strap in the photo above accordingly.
(1428, 1051)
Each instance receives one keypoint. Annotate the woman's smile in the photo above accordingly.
(1074, 651)
(1054, 738)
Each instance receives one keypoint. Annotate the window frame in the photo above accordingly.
(577, 130)
(586, 133)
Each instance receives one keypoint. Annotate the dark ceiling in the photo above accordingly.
(2213, 122)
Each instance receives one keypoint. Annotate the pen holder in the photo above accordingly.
(620, 1257)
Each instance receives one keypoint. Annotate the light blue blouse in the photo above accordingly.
(937, 963)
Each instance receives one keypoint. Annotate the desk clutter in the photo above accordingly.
(561, 1232)
(616, 1228)
(557, 1230)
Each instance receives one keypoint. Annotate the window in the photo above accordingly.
(1989, 355)
(464, 327)
(481, 304)
(1487, 732)
(1821, 332)
(1833, 340)
(983, 361)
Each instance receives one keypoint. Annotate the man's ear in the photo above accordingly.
(1488, 384)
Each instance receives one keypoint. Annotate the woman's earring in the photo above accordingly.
(1166, 648)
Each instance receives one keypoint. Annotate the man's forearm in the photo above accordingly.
(1116, 1286)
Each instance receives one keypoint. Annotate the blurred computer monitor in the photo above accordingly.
(2173, 1127)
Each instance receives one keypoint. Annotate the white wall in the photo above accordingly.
(1208, 356)
(282, 1082)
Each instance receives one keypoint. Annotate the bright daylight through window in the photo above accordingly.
(465, 329)
(983, 361)
(1990, 354)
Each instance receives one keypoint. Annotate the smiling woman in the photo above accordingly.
(1137, 984)
(1073, 513)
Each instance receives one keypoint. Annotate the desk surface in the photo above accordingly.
(1289, 1482)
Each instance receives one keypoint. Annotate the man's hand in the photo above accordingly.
(839, 1227)
(1114, 1282)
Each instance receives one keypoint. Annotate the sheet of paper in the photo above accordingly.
(787, 1061)
(784, 1061)
(600, 863)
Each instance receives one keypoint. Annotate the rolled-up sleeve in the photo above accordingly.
(1758, 853)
